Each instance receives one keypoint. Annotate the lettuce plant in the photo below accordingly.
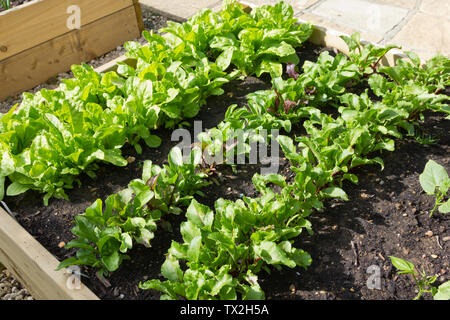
(255, 43)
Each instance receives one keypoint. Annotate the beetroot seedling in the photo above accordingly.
(435, 181)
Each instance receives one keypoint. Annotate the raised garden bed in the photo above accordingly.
(377, 218)
(36, 42)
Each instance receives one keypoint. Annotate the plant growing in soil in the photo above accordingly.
(435, 181)
(433, 75)
(366, 57)
(220, 242)
(426, 140)
(57, 135)
(423, 281)
(6, 4)
(104, 235)
(225, 250)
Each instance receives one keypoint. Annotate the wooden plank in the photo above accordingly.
(43, 20)
(140, 20)
(34, 266)
(35, 66)
(112, 65)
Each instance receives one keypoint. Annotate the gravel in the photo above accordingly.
(10, 288)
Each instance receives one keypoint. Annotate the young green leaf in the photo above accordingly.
(434, 176)
(443, 292)
(402, 265)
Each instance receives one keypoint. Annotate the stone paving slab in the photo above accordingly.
(408, 4)
(436, 7)
(296, 4)
(422, 26)
(179, 10)
(369, 17)
(331, 25)
(435, 38)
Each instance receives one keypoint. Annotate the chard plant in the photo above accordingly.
(436, 182)
(424, 282)
(105, 232)
(366, 57)
(434, 74)
(224, 250)
(6, 4)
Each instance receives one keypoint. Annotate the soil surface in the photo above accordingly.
(387, 215)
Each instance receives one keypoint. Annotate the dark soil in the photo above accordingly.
(387, 215)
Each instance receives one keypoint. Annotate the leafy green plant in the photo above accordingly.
(366, 57)
(255, 43)
(55, 135)
(423, 281)
(435, 181)
(424, 139)
(434, 74)
(131, 216)
(223, 251)
(6, 4)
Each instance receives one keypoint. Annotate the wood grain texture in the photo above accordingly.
(34, 266)
(41, 20)
(140, 20)
(35, 66)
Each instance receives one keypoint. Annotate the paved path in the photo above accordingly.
(422, 26)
